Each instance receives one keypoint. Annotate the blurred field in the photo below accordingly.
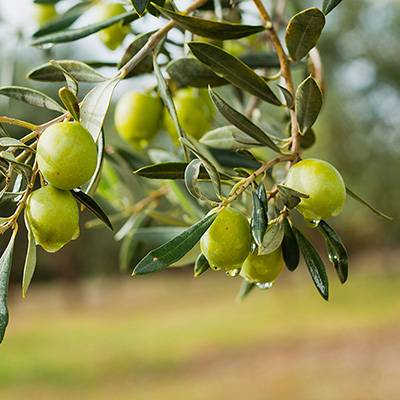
(172, 337)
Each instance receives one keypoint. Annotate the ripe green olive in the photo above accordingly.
(195, 113)
(226, 244)
(138, 118)
(66, 155)
(324, 186)
(114, 35)
(44, 13)
(264, 268)
(53, 216)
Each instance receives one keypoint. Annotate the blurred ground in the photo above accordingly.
(169, 336)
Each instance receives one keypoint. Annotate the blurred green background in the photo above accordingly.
(87, 331)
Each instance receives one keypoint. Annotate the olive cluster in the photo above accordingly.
(66, 157)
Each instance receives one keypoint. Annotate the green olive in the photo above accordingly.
(114, 35)
(226, 244)
(138, 118)
(53, 216)
(195, 113)
(262, 268)
(44, 13)
(66, 155)
(324, 186)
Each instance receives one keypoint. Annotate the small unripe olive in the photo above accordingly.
(66, 155)
(53, 217)
(322, 183)
(44, 13)
(195, 113)
(114, 35)
(262, 268)
(226, 244)
(138, 118)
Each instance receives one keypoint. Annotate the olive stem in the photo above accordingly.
(154, 39)
(286, 74)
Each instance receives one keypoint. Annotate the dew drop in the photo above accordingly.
(264, 286)
(233, 272)
(312, 223)
(45, 46)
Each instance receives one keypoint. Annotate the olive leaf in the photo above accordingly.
(174, 249)
(273, 238)
(11, 142)
(70, 102)
(337, 253)
(30, 260)
(290, 197)
(245, 288)
(5, 267)
(233, 70)
(72, 83)
(192, 172)
(303, 32)
(201, 265)
(140, 6)
(329, 5)
(259, 219)
(314, 264)
(290, 248)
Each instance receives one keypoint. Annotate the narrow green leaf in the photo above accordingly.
(92, 206)
(208, 165)
(192, 172)
(337, 253)
(259, 219)
(70, 35)
(290, 248)
(228, 138)
(329, 5)
(175, 249)
(308, 103)
(262, 195)
(146, 65)
(201, 265)
(3, 131)
(20, 167)
(172, 170)
(95, 105)
(72, 83)
(245, 288)
(7, 196)
(272, 239)
(140, 6)
(5, 267)
(78, 69)
(307, 140)
(65, 20)
(373, 209)
(211, 29)
(70, 102)
(157, 235)
(30, 260)
(287, 95)
(189, 71)
(127, 252)
(11, 142)
(31, 96)
(303, 32)
(96, 177)
(314, 264)
(242, 122)
(233, 70)
(290, 197)
(168, 102)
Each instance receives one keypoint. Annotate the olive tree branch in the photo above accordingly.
(286, 74)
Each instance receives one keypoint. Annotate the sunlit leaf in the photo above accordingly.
(12, 142)
(272, 239)
(30, 260)
(175, 249)
(314, 264)
(308, 103)
(209, 28)
(70, 102)
(242, 122)
(31, 96)
(96, 177)
(72, 83)
(5, 267)
(70, 35)
(79, 70)
(192, 172)
(303, 32)
(233, 70)
(95, 105)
